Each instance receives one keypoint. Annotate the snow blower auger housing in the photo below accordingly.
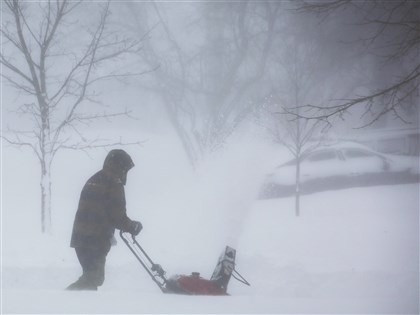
(188, 284)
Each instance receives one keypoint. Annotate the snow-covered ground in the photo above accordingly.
(351, 251)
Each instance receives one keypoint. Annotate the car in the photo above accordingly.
(339, 166)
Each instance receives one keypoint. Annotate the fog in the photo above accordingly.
(287, 130)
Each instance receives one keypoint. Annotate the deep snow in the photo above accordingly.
(351, 251)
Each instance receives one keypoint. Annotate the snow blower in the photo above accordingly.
(192, 284)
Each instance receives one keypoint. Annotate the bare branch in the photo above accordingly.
(15, 69)
(323, 7)
(20, 143)
(390, 92)
(94, 144)
(20, 86)
(121, 75)
(395, 30)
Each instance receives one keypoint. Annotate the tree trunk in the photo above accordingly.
(45, 161)
(46, 226)
(297, 191)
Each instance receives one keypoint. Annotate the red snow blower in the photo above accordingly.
(188, 284)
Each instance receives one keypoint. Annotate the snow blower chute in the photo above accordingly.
(188, 284)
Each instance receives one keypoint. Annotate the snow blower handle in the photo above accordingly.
(155, 271)
(158, 269)
(239, 277)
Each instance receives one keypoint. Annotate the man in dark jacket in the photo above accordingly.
(101, 210)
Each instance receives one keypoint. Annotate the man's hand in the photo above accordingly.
(136, 228)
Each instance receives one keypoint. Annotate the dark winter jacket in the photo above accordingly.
(102, 204)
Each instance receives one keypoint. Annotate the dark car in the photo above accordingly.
(340, 166)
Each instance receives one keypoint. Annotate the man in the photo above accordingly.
(101, 210)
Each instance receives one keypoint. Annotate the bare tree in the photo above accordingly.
(206, 90)
(390, 31)
(299, 66)
(57, 79)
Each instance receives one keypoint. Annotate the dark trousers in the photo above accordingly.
(92, 261)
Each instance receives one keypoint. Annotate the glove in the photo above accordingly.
(136, 227)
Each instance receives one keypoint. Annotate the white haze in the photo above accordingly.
(351, 251)
(354, 250)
